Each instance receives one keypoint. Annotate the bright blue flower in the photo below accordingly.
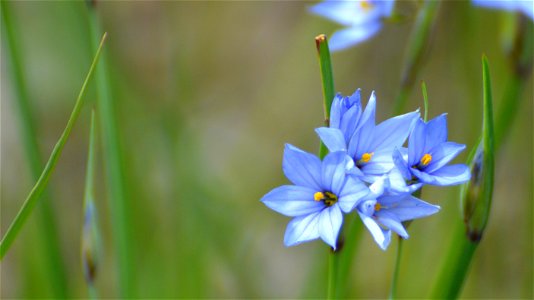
(321, 191)
(523, 6)
(429, 152)
(363, 19)
(371, 146)
(387, 212)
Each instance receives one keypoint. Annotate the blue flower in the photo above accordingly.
(371, 146)
(428, 153)
(363, 19)
(387, 212)
(321, 191)
(523, 6)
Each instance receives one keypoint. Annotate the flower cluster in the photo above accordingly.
(367, 171)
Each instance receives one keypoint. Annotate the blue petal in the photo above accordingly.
(333, 171)
(381, 162)
(392, 222)
(353, 191)
(397, 183)
(448, 175)
(355, 98)
(332, 138)
(292, 200)
(443, 154)
(351, 36)
(407, 207)
(302, 168)
(401, 164)
(381, 237)
(525, 7)
(416, 143)
(436, 132)
(350, 120)
(336, 111)
(343, 12)
(360, 142)
(393, 132)
(302, 229)
(330, 221)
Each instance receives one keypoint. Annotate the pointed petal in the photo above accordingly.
(436, 132)
(416, 143)
(330, 221)
(292, 200)
(302, 229)
(350, 120)
(381, 237)
(451, 175)
(342, 12)
(353, 191)
(351, 36)
(333, 171)
(407, 207)
(302, 168)
(392, 222)
(332, 138)
(355, 98)
(442, 154)
(381, 162)
(401, 164)
(336, 111)
(393, 132)
(397, 183)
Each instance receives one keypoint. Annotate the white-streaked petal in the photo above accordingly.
(451, 175)
(353, 191)
(381, 163)
(382, 237)
(333, 171)
(302, 229)
(407, 207)
(391, 221)
(330, 221)
(292, 200)
(332, 138)
(302, 168)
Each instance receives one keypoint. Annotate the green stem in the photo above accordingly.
(47, 224)
(417, 45)
(39, 187)
(327, 79)
(394, 280)
(120, 209)
(425, 99)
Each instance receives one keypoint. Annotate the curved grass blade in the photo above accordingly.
(39, 187)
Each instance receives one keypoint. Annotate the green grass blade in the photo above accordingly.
(476, 196)
(55, 266)
(39, 187)
(121, 211)
(327, 79)
(419, 39)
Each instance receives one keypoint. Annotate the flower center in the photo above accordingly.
(366, 5)
(366, 157)
(378, 206)
(425, 160)
(327, 197)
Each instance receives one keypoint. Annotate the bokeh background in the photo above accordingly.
(206, 95)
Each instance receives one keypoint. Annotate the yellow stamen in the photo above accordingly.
(366, 5)
(366, 157)
(378, 206)
(427, 158)
(318, 196)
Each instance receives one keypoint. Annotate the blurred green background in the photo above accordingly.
(206, 94)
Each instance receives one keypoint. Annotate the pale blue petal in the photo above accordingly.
(452, 175)
(393, 132)
(302, 168)
(330, 221)
(332, 138)
(525, 6)
(397, 183)
(350, 120)
(407, 207)
(343, 12)
(382, 237)
(302, 229)
(353, 191)
(336, 111)
(351, 36)
(442, 154)
(436, 133)
(334, 171)
(392, 222)
(292, 200)
(381, 162)
(416, 143)
(355, 98)
(401, 164)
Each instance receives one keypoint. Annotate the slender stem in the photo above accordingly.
(417, 45)
(332, 275)
(121, 223)
(327, 79)
(394, 280)
(425, 99)
(47, 219)
(39, 187)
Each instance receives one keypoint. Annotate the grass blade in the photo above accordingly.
(39, 187)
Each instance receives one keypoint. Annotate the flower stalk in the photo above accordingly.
(327, 79)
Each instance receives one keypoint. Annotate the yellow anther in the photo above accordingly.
(366, 5)
(318, 196)
(427, 158)
(378, 206)
(366, 157)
